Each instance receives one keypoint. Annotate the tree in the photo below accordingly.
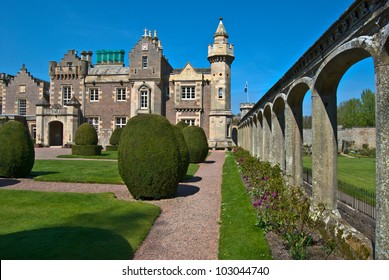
(358, 112)
(368, 107)
(349, 113)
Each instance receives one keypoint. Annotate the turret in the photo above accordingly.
(221, 56)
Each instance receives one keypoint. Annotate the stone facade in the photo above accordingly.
(19, 95)
(108, 93)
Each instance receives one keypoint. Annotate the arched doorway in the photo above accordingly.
(55, 133)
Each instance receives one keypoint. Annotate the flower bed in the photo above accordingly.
(283, 211)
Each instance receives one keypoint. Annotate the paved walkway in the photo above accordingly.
(188, 227)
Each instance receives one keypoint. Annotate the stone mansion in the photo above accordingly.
(107, 93)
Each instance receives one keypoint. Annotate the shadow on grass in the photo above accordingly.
(41, 173)
(65, 243)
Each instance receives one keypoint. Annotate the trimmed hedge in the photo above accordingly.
(86, 135)
(197, 143)
(115, 137)
(86, 150)
(17, 155)
(149, 157)
(111, 148)
(184, 153)
(181, 125)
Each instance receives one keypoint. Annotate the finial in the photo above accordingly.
(145, 34)
(23, 67)
(150, 33)
(221, 18)
(155, 33)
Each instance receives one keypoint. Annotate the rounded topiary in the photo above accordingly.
(197, 143)
(182, 124)
(149, 157)
(115, 137)
(184, 153)
(86, 135)
(17, 153)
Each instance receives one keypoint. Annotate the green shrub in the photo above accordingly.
(111, 148)
(17, 153)
(197, 143)
(86, 135)
(182, 124)
(184, 153)
(148, 157)
(115, 137)
(86, 150)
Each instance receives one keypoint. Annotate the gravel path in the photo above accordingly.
(188, 227)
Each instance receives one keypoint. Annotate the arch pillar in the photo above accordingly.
(294, 145)
(381, 69)
(267, 135)
(324, 150)
(278, 138)
(259, 134)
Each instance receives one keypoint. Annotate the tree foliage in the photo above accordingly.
(358, 112)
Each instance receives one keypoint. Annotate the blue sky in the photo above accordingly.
(269, 36)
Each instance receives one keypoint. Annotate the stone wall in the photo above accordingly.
(358, 135)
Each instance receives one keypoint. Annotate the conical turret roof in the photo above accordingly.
(221, 30)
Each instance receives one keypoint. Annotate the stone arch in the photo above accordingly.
(55, 133)
(294, 129)
(324, 112)
(278, 130)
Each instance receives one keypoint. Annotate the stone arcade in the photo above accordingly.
(272, 129)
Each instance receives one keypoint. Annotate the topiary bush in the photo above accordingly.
(149, 157)
(197, 143)
(115, 137)
(182, 124)
(86, 135)
(17, 155)
(184, 153)
(86, 141)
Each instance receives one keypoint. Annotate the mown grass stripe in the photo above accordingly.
(239, 239)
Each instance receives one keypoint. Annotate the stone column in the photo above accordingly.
(294, 145)
(324, 150)
(267, 136)
(251, 142)
(382, 157)
(278, 143)
(253, 137)
(259, 134)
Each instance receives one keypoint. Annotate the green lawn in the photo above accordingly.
(359, 172)
(77, 171)
(240, 238)
(45, 225)
(84, 171)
